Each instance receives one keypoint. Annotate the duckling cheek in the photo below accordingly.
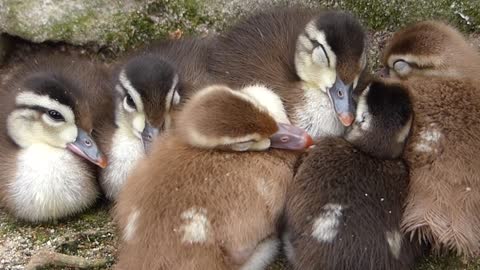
(261, 145)
(138, 124)
(68, 134)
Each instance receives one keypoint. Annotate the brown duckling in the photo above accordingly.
(210, 194)
(344, 206)
(440, 69)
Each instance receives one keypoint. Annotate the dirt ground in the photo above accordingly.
(92, 235)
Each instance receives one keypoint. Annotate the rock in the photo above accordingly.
(121, 24)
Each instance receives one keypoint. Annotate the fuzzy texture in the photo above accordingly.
(341, 207)
(43, 181)
(204, 208)
(443, 205)
(444, 201)
(158, 77)
(433, 49)
(263, 49)
(345, 204)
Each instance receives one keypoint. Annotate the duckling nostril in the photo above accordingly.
(284, 139)
(88, 143)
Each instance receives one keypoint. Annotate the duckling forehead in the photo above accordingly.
(422, 39)
(55, 86)
(346, 37)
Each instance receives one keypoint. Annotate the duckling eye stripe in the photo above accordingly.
(28, 99)
(127, 86)
(172, 97)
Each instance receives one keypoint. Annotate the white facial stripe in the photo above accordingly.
(270, 102)
(402, 135)
(199, 140)
(422, 60)
(127, 85)
(31, 99)
(362, 108)
(138, 124)
(319, 36)
(172, 96)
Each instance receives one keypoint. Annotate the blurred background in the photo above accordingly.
(104, 29)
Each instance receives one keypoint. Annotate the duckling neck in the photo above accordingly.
(125, 151)
(316, 115)
(50, 183)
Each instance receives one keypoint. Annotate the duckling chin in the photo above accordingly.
(210, 194)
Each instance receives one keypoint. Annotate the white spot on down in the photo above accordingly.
(131, 226)
(196, 226)
(428, 138)
(394, 240)
(325, 227)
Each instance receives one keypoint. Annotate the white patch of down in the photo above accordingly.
(196, 226)
(325, 227)
(126, 151)
(394, 240)
(131, 226)
(50, 183)
(264, 254)
(428, 139)
(269, 100)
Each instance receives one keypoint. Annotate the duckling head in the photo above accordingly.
(50, 110)
(253, 119)
(383, 120)
(427, 48)
(147, 91)
(330, 57)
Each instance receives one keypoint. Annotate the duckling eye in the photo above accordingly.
(129, 104)
(319, 56)
(56, 116)
(402, 67)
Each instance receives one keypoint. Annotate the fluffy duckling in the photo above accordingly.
(49, 110)
(344, 206)
(200, 201)
(443, 204)
(430, 48)
(150, 84)
(312, 59)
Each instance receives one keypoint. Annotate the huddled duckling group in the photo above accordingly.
(220, 152)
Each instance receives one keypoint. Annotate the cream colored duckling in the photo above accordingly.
(49, 110)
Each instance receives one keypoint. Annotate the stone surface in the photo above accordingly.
(125, 23)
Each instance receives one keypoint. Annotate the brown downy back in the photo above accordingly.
(191, 208)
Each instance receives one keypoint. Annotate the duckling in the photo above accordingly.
(344, 206)
(431, 48)
(210, 193)
(443, 203)
(312, 59)
(150, 85)
(49, 110)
